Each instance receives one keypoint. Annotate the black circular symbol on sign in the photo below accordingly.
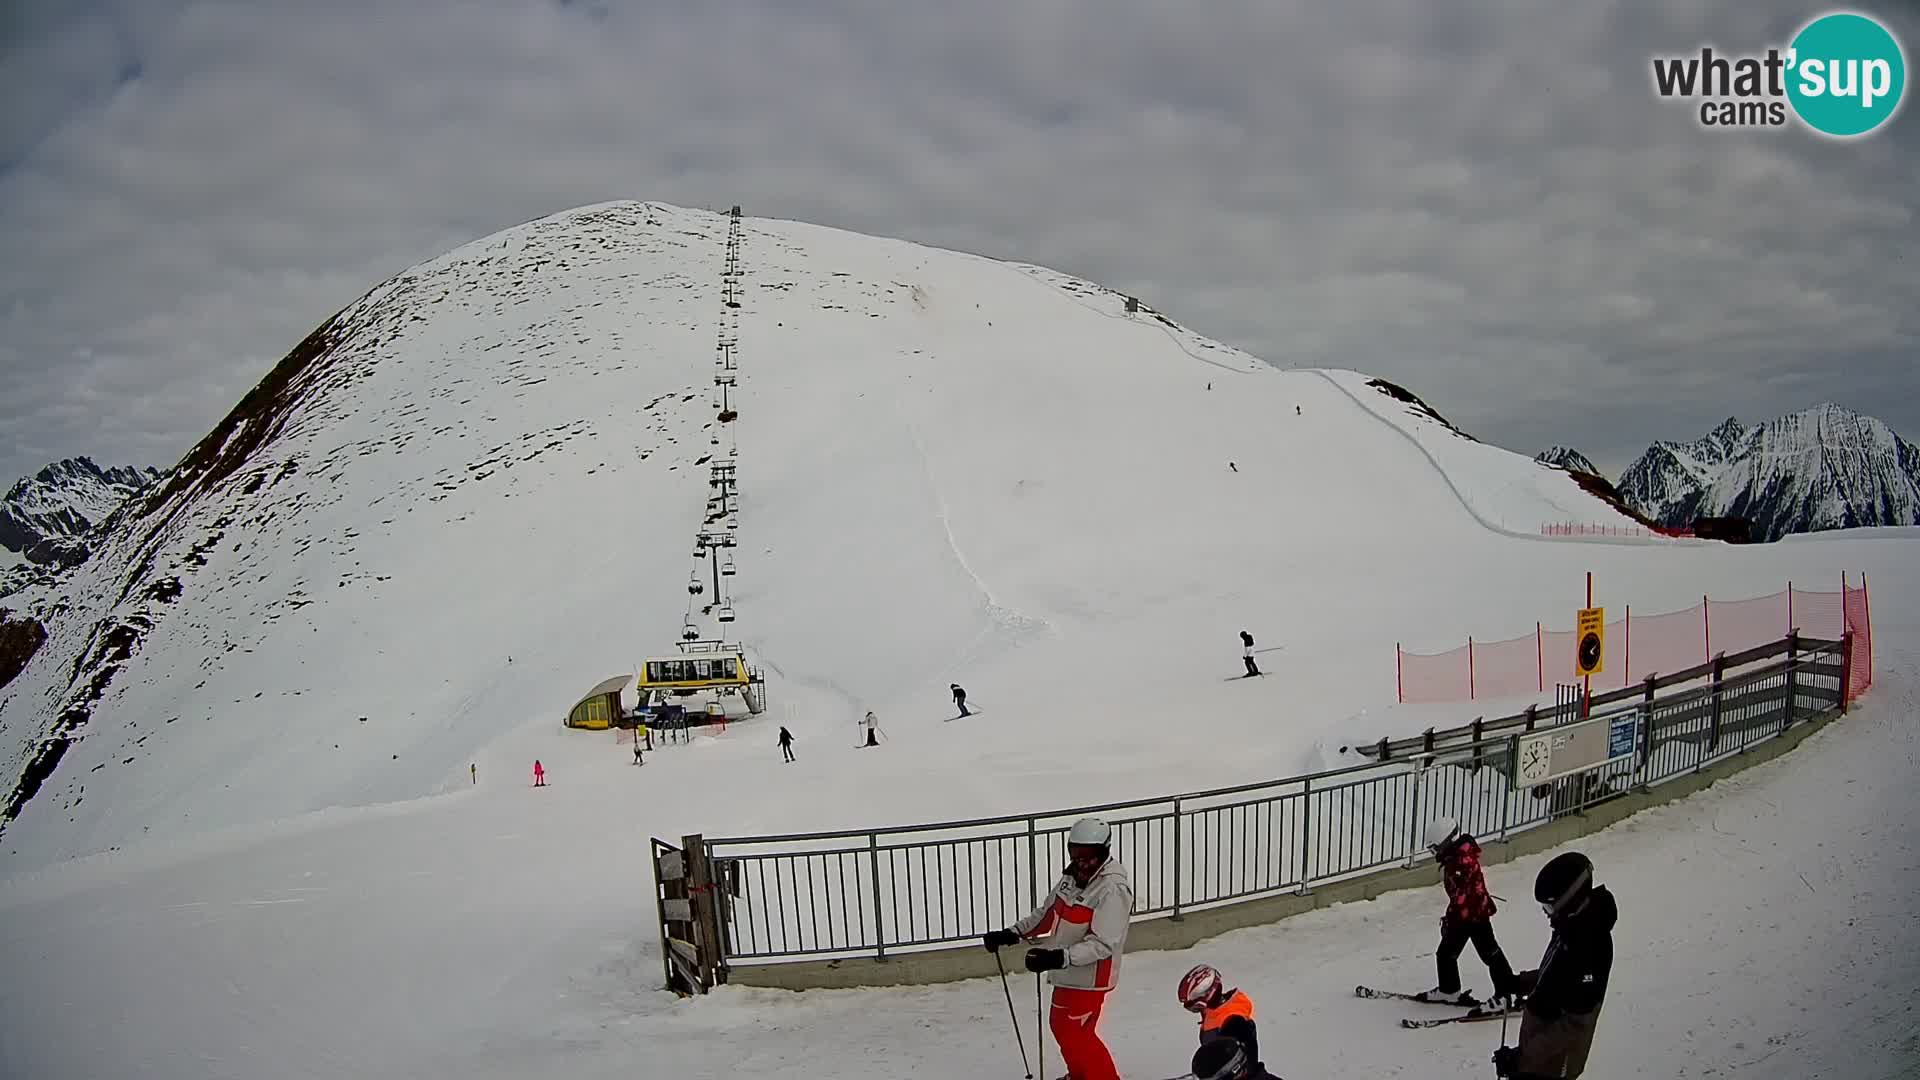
(1590, 652)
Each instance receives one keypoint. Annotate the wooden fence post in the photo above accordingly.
(706, 921)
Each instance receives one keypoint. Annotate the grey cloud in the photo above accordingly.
(1481, 200)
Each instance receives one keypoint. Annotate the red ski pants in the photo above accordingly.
(1074, 1018)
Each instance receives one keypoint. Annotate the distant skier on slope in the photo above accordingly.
(872, 724)
(786, 744)
(1565, 993)
(959, 699)
(1469, 916)
(1246, 653)
(1085, 918)
(1222, 1011)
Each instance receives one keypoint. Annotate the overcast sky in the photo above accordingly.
(1482, 200)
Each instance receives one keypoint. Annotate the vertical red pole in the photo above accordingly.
(1789, 607)
(1539, 659)
(1399, 676)
(1626, 667)
(1470, 684)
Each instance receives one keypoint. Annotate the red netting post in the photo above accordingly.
(1539, 659)
(1399, 675)
(1789, 607)
(1470, 684)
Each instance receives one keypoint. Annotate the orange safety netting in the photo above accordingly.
(1640, 646)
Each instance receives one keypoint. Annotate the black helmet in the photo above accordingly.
(1221, 1058)
(1563, 884)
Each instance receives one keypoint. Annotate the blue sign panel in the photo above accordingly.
(1620, 733)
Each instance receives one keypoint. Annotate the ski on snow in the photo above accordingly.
(1479, 1013)
(1370, 992)
(1476, 1010)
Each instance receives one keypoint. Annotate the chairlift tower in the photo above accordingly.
(710, 544)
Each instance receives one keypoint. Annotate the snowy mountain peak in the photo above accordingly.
(1567, 458)
(1728, 433)
(475, 492)
(1826, 467)
(63, 502)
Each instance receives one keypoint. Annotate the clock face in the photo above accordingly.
(1535, 759)
(1590, 652)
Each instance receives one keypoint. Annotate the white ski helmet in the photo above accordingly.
(1440, 833)
(1089, 832)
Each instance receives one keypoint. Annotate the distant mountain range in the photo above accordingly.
(1568, 459)
(45, 516)
(1821, 468)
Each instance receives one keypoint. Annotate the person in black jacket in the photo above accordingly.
(1564, 995)
(1223, 1057)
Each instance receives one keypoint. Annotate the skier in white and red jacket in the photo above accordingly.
(1084, 922)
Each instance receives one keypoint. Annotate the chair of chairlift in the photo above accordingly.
(726, 612)
(694, 585)
(726, 568)
(689, 632)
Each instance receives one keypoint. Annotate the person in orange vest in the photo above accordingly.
(1222, 1011)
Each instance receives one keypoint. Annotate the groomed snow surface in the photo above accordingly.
(950, 470)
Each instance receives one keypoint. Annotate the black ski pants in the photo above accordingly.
(1454, 935)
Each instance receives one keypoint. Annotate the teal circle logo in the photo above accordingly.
(1847, 75)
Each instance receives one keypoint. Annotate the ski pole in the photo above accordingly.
(1011, 1015)
(1039, 1024)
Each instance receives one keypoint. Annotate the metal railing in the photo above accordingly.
(877, 892)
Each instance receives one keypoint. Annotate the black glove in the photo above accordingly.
(995, 939)
(1504, 1060)
(1046, 959)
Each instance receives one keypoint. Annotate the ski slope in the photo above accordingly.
(264, 854)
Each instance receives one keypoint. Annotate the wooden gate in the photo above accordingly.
(691, 955)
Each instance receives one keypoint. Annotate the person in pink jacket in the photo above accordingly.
(539, 774)
(1084, 920)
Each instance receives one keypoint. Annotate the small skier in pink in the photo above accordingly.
(539, 774)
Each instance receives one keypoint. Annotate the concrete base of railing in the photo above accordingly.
(1193, 927)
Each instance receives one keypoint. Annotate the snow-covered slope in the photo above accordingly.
(1567, 458)
(1821, 468)
(1503, 491)
(503, 453)
(472, 496)
(63, 502)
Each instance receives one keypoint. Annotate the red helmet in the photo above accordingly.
(1199, 988)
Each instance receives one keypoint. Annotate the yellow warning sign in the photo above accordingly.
(1590, 637)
